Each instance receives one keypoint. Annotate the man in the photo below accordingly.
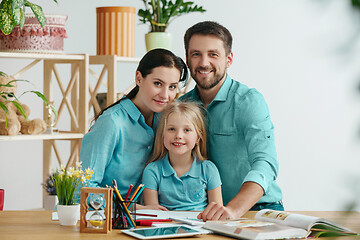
(240, 131)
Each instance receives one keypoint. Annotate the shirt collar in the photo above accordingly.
(131, 109)
(222, 93)
(224, 90)
(168, 170)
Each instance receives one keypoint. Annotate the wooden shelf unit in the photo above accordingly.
(83, 96)
(76, 86)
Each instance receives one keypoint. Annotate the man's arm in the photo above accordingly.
(248, 195)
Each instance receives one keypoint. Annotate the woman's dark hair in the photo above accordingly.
(155, 58)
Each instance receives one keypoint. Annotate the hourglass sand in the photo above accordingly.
(97, 222)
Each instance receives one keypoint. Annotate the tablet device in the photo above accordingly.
(163, 232)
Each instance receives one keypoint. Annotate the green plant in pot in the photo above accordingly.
(12, 13)
(159, 14)
(68, 183)
(11, 107)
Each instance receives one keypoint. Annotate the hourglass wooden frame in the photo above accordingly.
(84, 209)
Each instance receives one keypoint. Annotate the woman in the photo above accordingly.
(121, 140)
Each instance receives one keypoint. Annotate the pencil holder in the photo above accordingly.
(124, 214)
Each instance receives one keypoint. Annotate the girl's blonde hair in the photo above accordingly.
(192, 111)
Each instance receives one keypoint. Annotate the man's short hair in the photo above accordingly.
(209, 28)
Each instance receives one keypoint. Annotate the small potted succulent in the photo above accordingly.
(159, 14)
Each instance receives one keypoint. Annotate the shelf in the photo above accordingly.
(46, 56)
(55, 136)
(101, 59)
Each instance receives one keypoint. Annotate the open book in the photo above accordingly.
(270, 224)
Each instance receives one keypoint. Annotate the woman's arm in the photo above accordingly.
(214, 195)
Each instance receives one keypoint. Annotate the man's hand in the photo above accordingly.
(216, 211)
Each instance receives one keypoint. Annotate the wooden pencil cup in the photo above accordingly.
(100, 197)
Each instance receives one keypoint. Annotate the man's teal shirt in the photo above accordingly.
(241, 140)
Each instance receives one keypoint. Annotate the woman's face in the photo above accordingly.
(157, 89)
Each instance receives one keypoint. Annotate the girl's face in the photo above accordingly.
(180, 136)
(157, 89)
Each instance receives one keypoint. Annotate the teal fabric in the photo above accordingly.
(241, 139)
(187, 193)
(117, 147)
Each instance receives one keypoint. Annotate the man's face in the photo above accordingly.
(207, 60)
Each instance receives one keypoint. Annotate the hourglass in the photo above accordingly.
(97, 222)
(96, 219)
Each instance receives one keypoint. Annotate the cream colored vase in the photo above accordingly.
(68, 214)
(158, 40)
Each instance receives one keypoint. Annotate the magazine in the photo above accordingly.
(270, 224)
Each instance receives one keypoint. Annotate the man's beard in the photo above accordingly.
(217, 78)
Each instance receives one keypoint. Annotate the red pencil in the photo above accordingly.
(128, 192)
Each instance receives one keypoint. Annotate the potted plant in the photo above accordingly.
(9, 103)
(30, 32)
(67, 185)
(12, 13)
(50, 200)
(159, 14)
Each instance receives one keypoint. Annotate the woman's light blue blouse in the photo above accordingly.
(117, 146)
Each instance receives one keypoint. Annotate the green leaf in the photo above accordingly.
(22, 18)
(3, 74)
(39, 14)
(18, 4)
(20, 109)
(7, 22)
(4, 108)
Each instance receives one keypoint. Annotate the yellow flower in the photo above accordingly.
(78, 165)
(89, 171)
(83, 179)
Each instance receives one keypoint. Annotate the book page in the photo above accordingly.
(285, 218)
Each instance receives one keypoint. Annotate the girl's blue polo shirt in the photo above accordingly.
(187, 193)
(117, 147)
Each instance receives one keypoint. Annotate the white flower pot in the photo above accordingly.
(50, 202)
(68, 214)
(158, 40)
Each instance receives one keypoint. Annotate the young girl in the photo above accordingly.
(178, 177)
(121, 140)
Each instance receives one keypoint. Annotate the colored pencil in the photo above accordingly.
(123, 204)
(134, 194)
(128, 192)
(143, 214)
(137, 196)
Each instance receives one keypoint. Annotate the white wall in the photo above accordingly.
(302, 55)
